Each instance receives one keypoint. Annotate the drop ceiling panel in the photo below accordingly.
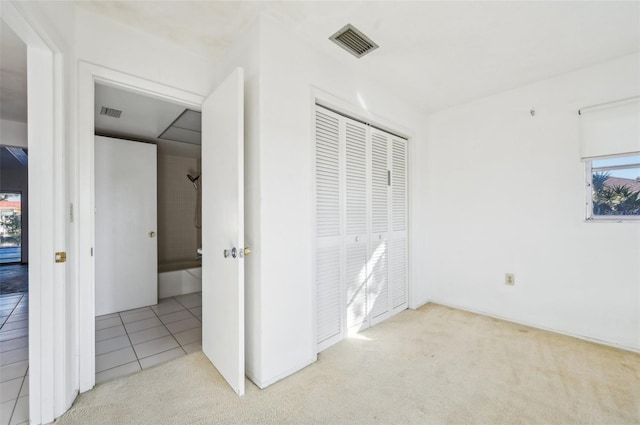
(145, 119)
(190, 120)
(142, 116)
(182, 135)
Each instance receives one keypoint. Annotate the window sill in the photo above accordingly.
(621, 219)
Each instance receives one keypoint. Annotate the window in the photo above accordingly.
(613, 188)
(10, 227)
(610, 148)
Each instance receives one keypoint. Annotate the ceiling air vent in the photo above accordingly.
(353, 41)
(110, 112)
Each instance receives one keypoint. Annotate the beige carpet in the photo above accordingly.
(434, 365)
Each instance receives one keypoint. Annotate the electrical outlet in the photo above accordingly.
(509, 279)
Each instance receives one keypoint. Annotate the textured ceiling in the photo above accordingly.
(434, 54)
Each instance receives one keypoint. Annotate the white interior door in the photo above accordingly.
(223, 229)
(126, 246)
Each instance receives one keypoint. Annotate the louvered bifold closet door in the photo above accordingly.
(398, 239)
(357, 232)
(380, 221)
(329, 253)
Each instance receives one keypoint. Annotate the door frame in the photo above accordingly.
(88, 75)
(51, 382)
(359, 112)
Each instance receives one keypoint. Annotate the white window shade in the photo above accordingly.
(611, 129)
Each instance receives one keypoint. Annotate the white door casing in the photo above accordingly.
(50, 382)
(126, 247)
(88, 75)
(223, 229)
(361, 274)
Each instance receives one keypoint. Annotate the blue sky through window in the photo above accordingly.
(633, 161)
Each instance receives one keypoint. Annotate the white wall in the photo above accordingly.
(108, 43)
(13, 133)
(504, 192)
(289, 71)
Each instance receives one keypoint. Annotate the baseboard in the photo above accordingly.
(262, 384)
(532, 325)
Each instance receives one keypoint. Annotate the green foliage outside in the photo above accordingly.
(12, 224)
(615, 199)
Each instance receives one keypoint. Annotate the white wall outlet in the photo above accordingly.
(509, 279)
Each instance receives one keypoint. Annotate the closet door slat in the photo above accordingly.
(399, 184)
(356, 178)
(379, 281)
(398, 252)
(379, 183)
(356, 267)
(327, 175)
(328, 305)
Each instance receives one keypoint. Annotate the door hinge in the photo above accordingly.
(70, 213)
(388, 177)
(61, 257)
(92, 251)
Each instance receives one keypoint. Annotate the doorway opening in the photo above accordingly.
(14, 193)
(222, 222)
(148, 231)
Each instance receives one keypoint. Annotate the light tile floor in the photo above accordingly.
(14, 359)
(126, 342)
(130, 341)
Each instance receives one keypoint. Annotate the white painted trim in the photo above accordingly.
(50, 382)
(328, 100)
(312, 223)
(264, 384)
(412, 298)
(324, 98)
(88, 75)
(535, 326)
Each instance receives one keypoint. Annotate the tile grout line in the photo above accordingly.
(169, 330)
(4, 353)
(188, 309)
(162, 324)
(130, 342)
(12, 310)
(13, 411)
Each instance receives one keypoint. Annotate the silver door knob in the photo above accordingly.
(230, 252)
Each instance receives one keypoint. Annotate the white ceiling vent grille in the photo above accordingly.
(110, 112)
(353, 41)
